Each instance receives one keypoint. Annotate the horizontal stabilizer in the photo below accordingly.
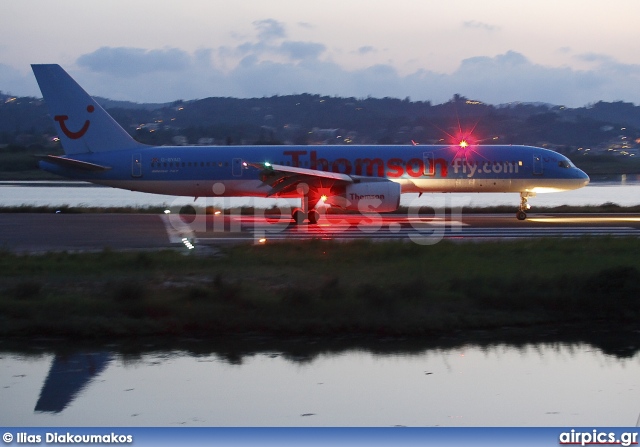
(71, 163)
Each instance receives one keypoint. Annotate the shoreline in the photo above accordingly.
(619, 341)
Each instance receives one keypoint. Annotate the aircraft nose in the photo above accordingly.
(576, 178)
(584, 177)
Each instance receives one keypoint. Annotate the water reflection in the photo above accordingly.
(68, 376)
(579, 376)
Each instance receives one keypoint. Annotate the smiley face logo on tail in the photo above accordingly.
(74, 135)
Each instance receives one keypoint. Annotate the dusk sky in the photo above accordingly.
(569, 52)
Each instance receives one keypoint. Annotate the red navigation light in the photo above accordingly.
(320, 195)
(462, 139)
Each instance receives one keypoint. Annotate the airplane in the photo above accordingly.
(365, 178)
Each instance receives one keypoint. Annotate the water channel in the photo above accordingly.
(552, 381)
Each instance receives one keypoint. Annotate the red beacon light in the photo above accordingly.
(463, 144)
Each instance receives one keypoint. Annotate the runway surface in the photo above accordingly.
(39, 233)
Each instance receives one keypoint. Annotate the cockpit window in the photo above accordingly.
(564, 164)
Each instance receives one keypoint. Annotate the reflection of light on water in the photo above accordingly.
(575, 220)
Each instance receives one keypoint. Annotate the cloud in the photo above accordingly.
(483, 63)
(302, 50)
(474, 24)
(512, 77)
(368, 49)
(502, 78)
(124, 61)
(594, 57)
(14, 82)
(269, 29)
(276, 65)
(606, 63)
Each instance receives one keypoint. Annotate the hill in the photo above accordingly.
(602, 129)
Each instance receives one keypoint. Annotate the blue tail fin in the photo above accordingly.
(83, 125)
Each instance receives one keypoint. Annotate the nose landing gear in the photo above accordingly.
(524, 205)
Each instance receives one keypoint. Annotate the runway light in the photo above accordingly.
(217, 213)
(584, 220)
(187, 243)
(167, 211)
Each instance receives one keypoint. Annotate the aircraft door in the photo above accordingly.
(537, 164)
(136, 165)
(236, 167)
(429, 163)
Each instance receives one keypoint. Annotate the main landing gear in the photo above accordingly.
(299, 216)
(307, 210)
(524, 205)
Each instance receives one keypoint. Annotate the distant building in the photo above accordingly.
(180, 140)
(208, 141)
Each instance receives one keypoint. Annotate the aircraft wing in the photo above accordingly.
(283, 179)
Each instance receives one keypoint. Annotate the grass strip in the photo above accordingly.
(322, 288)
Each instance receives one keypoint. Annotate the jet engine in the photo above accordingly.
(372, 197)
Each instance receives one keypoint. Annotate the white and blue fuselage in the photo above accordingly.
(364, 178)
(192, 171)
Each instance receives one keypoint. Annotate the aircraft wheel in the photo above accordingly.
(298, 216)
(521, 215)
(314, 216)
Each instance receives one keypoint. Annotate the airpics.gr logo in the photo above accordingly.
(74, 135)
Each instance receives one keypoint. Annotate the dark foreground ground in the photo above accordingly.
(323, 288)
